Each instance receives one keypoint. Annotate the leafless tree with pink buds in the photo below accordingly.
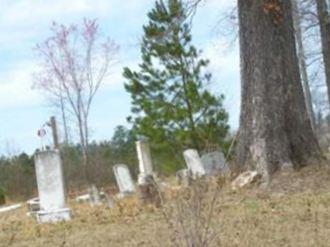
(75, 62)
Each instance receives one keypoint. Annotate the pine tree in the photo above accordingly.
(170, 100)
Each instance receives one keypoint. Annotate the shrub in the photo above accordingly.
(191, 213)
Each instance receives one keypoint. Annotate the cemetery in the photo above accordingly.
(136, 207)
(193, 123)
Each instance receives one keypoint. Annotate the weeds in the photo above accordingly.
(190, 214)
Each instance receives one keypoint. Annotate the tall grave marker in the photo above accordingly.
(50, 183)
(148, 191)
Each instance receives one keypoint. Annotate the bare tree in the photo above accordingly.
(75, 62)
(302, 61)
(311, 38)
(324, 22)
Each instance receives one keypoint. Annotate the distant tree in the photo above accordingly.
(75, 63)
(324, 23)
(122, 138)
(170, 100)
(312, 45)
(123, 147)
(297, 20)
(17, 176)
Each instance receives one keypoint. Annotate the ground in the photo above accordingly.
(293, 211)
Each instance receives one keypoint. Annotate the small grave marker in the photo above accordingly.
(214, 163)
(194, 163)
(124, 179)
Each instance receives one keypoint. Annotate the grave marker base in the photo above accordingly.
(54, 215)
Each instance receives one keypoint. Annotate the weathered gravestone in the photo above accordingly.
(148, 191)
(124, 180)
(94, 196)
(194, 163)
(145, 163)
(50, 183)
(214, 163)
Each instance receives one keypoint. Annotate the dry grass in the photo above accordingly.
(294, 211)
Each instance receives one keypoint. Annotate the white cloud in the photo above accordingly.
(26, 12)
(15, 86)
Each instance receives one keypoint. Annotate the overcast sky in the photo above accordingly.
(23, 23)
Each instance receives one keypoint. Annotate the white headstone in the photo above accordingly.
(214, 162)
(124, 179)
(194, 163)
(50, 183)
(145, 163)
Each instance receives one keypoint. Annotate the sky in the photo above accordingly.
(24, 23)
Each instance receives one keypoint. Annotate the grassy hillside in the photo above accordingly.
(293, 211)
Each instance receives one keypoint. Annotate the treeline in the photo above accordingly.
(17, 177)
(17, 173)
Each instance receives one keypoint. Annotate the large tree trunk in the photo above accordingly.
(302, 61)
(275, 130)
(324, 20)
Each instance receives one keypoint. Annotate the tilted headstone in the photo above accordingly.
(145, 163)
(194, 163)
(124, 179)
(148, 191)
(214, 163)
(50, 183)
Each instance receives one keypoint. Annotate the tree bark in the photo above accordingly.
(324, 21)
(64, 120)
(302, 62)
(82, 136)
(275, 130)
(53, 126)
